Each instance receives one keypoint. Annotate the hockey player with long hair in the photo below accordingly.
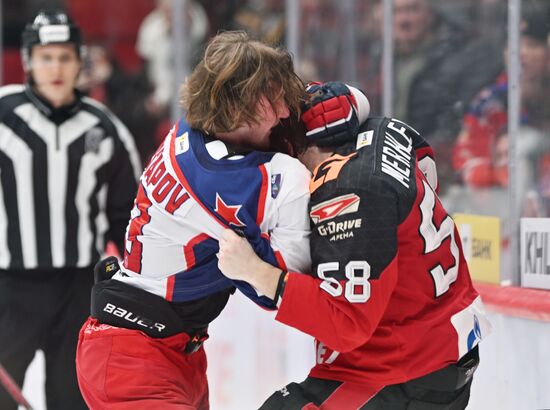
(142, 347)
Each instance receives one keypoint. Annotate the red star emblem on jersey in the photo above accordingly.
(228, 212)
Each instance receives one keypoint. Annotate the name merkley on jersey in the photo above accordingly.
(165, 184)
(396, 153)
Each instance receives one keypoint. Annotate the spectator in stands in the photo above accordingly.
(321, 29)
(426, 55)
(220, 14)
(264, 20)
(481, 18)
(481, 152)
(434, 74)
(154, 44)
(369, 51)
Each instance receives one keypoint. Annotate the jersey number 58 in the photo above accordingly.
(357, 286)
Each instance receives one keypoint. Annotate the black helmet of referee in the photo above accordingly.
(49, 27)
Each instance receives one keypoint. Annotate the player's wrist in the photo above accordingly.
(281, 283)
(266, 280)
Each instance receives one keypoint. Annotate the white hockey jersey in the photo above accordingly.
(189, 193)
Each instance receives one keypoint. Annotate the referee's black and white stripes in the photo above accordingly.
(67, 181)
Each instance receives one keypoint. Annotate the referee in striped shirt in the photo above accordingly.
(68, 176)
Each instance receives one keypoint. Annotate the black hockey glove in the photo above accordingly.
(105, 269)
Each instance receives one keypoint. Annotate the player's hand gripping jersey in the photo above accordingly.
(386, 253)
(194, 188)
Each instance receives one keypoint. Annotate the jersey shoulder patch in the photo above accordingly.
(329, 170)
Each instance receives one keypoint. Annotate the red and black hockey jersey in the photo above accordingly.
(390, 297)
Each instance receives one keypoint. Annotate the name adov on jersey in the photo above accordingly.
(164, 183)
(396, 153)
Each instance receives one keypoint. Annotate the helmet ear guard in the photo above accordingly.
(49, 27)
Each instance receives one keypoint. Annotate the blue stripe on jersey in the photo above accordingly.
(205, 278)
(199, 281)
(238, 183)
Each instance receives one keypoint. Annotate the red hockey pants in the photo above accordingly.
(126, 369)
